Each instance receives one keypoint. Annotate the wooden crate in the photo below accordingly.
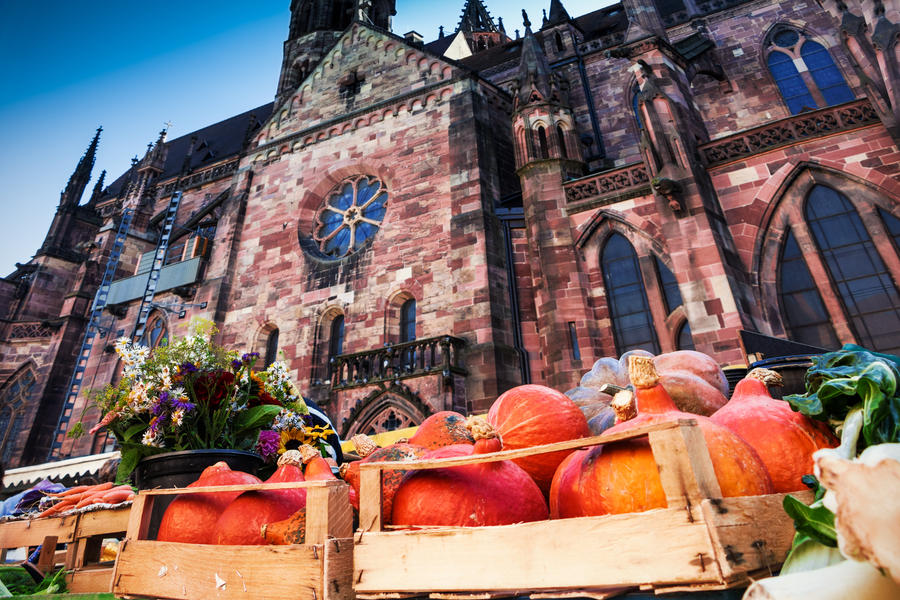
(320, 569)
(82, 533)
(700, 542)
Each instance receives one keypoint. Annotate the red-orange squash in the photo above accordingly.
(471, 495)
(443, 428)
(784, 439)
(191, 518)
(533, 415)
(241, 522)
(623, 477)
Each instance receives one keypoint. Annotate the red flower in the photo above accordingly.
(212, 388)
(264, 398)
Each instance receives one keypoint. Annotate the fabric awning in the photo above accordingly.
(68, 469)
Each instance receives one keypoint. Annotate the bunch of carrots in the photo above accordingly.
(84, 495)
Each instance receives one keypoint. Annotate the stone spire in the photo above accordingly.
(558, 13)
(71, 196)
(476, 18)
(98, 188)
(535, 80)
(643, 20)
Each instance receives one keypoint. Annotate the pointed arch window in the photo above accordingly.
(635, 106)
(804, 71)
(13, 402)
(805, 316)
(684, 340)
(542, 142)
(271, 348)
(561, 136)
(156, 333)
(560, 47)
(892, 224)
(669, 286)
(864, 285)
(626, 297)
(408, 321)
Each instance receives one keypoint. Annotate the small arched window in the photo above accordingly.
(805, 316)
(542, 142)
(669, 286)
(335, 342)
(866, 288)
(561, 136)
(804, 71)
(271, 348)
(635, 106)
(626, 297)
(560, 47)
(684, 340)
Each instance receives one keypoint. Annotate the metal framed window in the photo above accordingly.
(350, 216)
(626, 297)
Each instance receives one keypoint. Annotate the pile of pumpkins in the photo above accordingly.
(757, 445)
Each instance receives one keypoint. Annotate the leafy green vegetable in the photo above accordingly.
(838, 382)
(813, 521)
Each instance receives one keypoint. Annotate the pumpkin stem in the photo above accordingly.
(480, 429)
(767, 376)
(307, 453)
(342, 470)
(624, 405)
(642, 371)
(364, 444)
(291, 457)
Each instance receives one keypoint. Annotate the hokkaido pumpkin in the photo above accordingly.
(472, 495)
(442, 429)
(390, 479)
(293, 529)
(241, 522)
(623, 477)
(533, 415)
(784, 439)
(191, 518)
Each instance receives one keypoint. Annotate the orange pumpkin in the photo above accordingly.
(533, 415)
(191, 518)
(472, 495)
(443, 428)
(623, 477)
(784, 439)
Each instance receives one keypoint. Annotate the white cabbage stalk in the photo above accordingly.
(847, 580)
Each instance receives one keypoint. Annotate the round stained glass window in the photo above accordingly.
(350, 216)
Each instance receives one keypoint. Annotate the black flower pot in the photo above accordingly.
(180, 469)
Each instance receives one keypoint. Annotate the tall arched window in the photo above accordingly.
(561, 136)
(335, 341)
(626, 297)
(804, 71)
(408, 321)
(542, 142)
(863, 283)
(892, 224)
(271, 348)
(560, 47)
(635, 107)
(13, 400)
(684, 340)
(805, 316)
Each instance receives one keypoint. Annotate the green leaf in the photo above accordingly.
(255, 418)
(137, 428)
(814, 521)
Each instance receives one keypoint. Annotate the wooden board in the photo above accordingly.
(31, 532)
(103, 522)
(190, 571)
(90, 580)
(616, 550)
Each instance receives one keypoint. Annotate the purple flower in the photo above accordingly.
(236, 364)
(268, 443)
(187, 367)
(249, 358)
(185, 406)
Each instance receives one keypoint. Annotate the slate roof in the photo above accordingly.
(215, 142)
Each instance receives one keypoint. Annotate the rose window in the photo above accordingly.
(350, 216)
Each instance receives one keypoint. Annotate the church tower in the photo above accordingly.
(57, 237)
(315, 27)
(477, 25)
(547, 154)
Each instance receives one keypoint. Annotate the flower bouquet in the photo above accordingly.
(193, 394)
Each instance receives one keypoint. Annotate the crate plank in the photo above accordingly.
(624, 550)
(31, 532)
(183, 571)
(103, 522)
(338, 573)
(90, 581)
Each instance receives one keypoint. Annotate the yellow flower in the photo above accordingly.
(291, 439)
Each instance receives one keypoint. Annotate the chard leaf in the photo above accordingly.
(255, 418)
(814, 521)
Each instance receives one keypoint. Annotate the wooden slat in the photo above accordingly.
(594, 594)
(290, 485)
(31, 532)
(454, 461)
(90, 581)
(328, 513)
(139, 518)
(103, 522)
(685, 468)
(370, 499)
(658, 546)
(190, 571)
(750, 533)
(47, 557)
(338, 569)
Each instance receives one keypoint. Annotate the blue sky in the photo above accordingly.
(133, 66)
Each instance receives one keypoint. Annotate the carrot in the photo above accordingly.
(115, 496)
(89, 497)
(75, 490)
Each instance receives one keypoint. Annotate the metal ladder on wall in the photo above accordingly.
(90, 332)
(158, 259)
